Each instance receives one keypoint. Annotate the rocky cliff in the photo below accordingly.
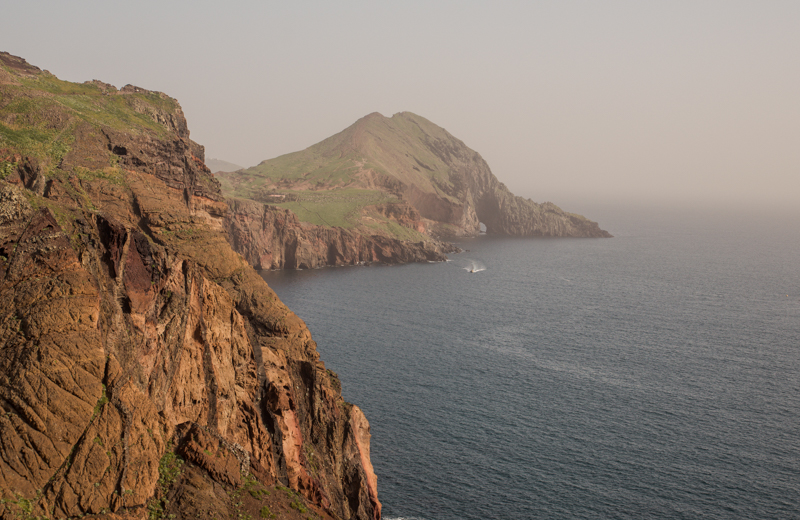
(146, 371)
(469, 194)
(270, 237)
(415, 163)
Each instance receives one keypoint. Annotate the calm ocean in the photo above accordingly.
(652, 375)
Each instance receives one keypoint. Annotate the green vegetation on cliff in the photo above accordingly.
(449, 187)
(132, 334)
(343, 180)
(41, 114)
(374, 153)
(336, 207)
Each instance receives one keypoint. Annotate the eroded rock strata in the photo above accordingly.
(473, 195)
(146, 370)
(444, 189)
(270, 237)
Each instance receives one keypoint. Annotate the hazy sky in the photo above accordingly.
(567, 101)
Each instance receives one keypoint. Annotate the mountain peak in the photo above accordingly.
(410, 158)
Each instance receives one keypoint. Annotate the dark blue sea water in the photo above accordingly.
(652, 375)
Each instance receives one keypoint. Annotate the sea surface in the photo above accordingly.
(652, 375)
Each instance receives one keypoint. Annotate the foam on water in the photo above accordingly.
(471, 265)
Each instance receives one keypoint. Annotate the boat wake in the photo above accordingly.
(474, 266)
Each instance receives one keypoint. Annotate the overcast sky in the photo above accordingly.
(607, 101)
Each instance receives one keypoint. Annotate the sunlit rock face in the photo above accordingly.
(132, 337)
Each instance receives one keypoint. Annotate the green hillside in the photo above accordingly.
(39, 113)
(374, 144)
(336, 181)
(339, 207)
(437, 184)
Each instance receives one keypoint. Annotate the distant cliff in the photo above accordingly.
(270, 237)
(146, 370)
(405, 161)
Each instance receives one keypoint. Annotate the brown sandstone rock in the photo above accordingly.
(131, 334)
(269, 237)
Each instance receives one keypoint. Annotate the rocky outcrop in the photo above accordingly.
(446, 189)
(146, 370)
(473, 195)
(269, 237)
(504, 213)
(406, 156)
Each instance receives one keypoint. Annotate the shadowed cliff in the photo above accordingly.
(146, 370)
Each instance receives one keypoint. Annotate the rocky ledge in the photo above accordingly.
(270, 237)
(146, 370)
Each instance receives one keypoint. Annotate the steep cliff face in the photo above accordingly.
(423, 166)
(270, 237)
(145, 369)
(482, 198)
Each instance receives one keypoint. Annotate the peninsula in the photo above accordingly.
(387, 190)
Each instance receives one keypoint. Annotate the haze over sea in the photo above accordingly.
(652, 375)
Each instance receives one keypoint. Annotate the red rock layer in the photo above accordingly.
(274, 238)
(131, 333)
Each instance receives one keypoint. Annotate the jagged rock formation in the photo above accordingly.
(420, 164)
(132, 336)
(270, 237)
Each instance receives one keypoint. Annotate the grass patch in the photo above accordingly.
(22, 508)
(100, 403)
(93, 104)
(314, 166)
(40, 115)
(112, 111)
(297, 503)
(112, 174)
(255, 490)
(44, 144)
(169, 471)
(7, 168)
(335, 208)
(392, 228)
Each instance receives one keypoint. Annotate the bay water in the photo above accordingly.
(652, 375)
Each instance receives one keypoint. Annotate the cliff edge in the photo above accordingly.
(146, 370)
(436, 187)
